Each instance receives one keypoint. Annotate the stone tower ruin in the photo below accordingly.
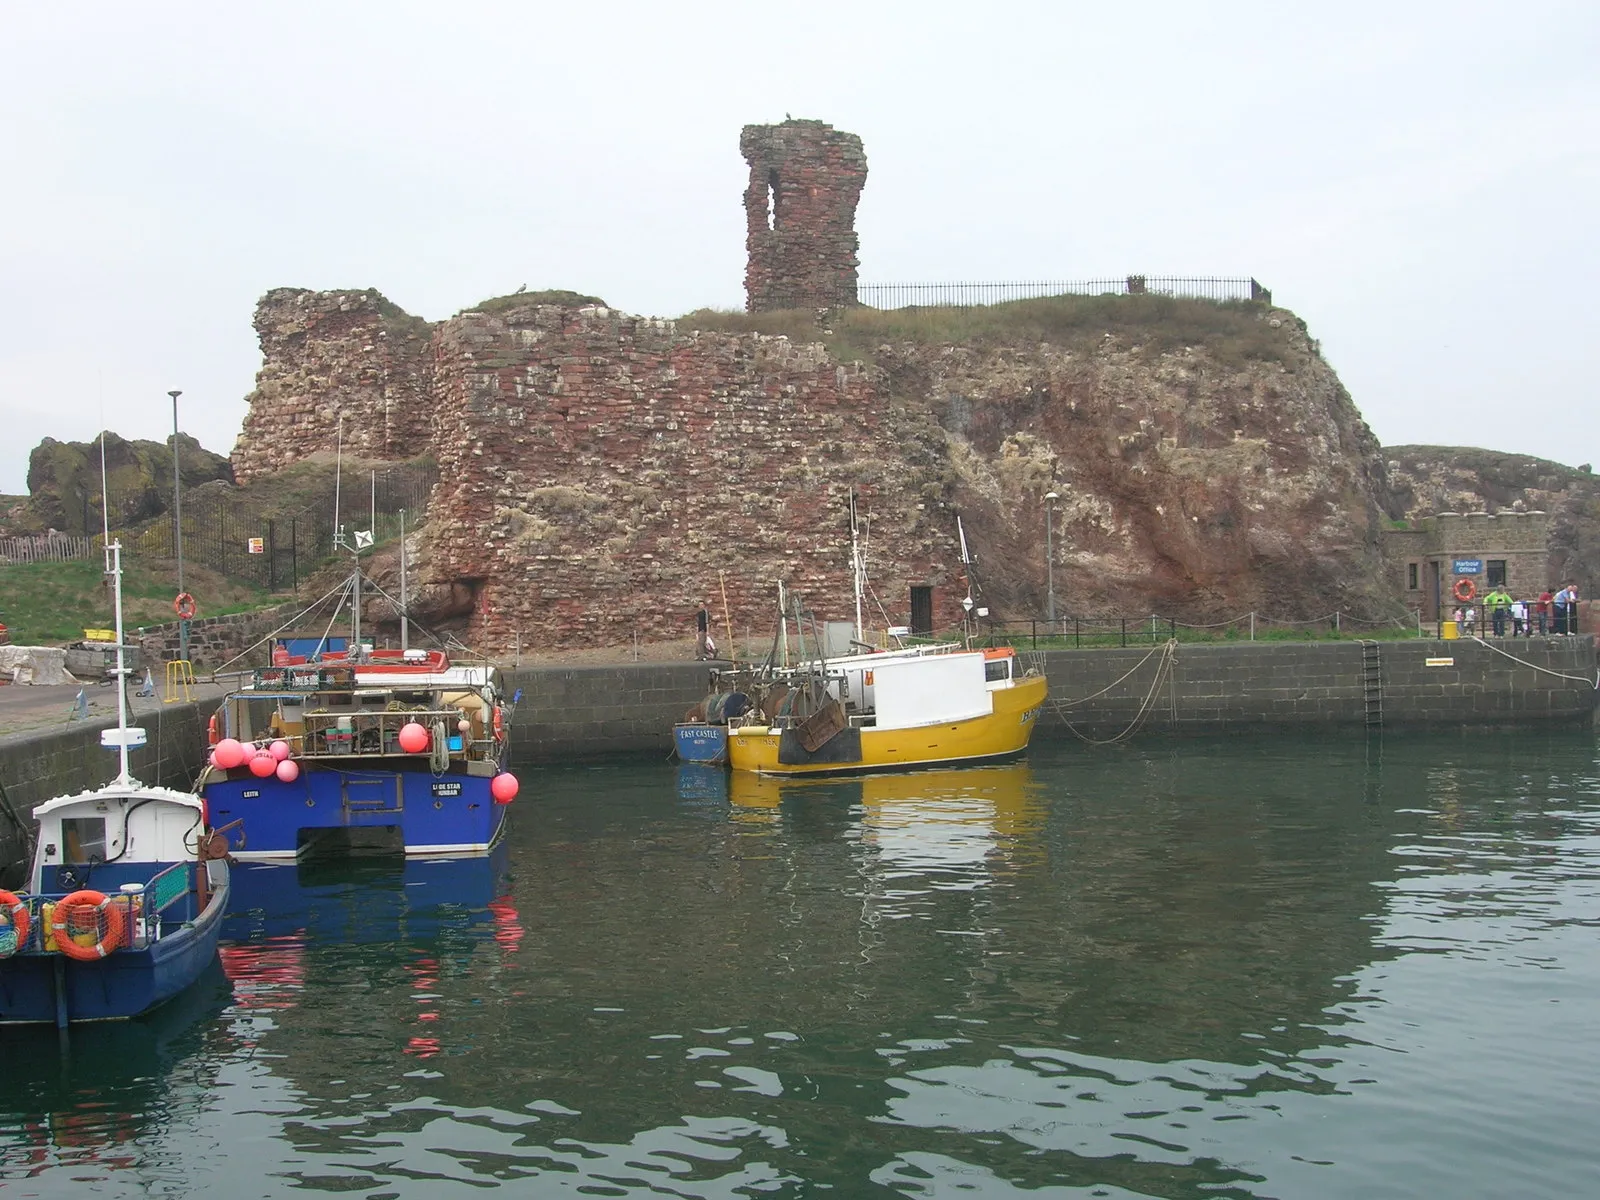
(805, 180)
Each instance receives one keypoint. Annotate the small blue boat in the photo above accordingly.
(703, 736)
(125, 897)
(700, 742)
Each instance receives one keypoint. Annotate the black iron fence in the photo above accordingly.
(906, 295)
(970, 294)
(275, 546)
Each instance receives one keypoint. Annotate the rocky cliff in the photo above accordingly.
(64, 484)
(602, 473)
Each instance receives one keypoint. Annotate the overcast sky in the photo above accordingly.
(1418, 181)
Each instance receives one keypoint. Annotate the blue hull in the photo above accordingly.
(447, 814)
(700, 742)
(124, 984)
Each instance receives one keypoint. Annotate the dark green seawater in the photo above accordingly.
(1244, 968)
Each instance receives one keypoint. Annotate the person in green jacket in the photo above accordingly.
(1498, 602)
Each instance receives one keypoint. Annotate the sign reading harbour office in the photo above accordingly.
(1467, 566)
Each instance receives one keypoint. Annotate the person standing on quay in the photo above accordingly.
(1498, 602)
(1563, 602)
(1542, 610)
(702, 626)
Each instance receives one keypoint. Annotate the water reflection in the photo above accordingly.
(84, 1103)
(1276, 967)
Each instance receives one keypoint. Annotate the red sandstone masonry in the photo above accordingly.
(328, 355)
(800, 206)
(598, 471)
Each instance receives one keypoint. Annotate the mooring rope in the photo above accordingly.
(1594, 683)
(1168, 653)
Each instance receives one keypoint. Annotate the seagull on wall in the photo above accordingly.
(520, 290)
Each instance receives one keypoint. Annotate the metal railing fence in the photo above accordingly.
(978, 293)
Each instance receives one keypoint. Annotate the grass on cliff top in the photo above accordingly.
(556, 296)
(51, 603)
(1233, 331)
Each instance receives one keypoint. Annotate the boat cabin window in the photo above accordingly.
(996, 669)
(84, 839)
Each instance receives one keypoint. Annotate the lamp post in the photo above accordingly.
(1050, 499)
(177, 524)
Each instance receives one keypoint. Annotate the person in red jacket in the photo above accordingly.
(1542, 607)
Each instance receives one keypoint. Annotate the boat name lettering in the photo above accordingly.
(250, 794)
(447, 789)
(1030, 715)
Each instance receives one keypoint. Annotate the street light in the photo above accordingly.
(177, 524)
(1050, 499)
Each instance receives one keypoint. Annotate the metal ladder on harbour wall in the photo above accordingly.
(1372, 684)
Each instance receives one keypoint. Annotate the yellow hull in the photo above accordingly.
(1000, 734)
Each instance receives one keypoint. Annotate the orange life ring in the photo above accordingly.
(1465, 590)
(112, 939)
(213, 730)
(183, 604)
(19, 916)
(499, 724)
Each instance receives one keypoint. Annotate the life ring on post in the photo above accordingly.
(18, 909)
(1465, 590)
(183, 604)
(116, 926)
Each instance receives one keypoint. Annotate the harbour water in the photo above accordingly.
(1239, 968)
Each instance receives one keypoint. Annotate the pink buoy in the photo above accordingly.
(464, 725)
(230, 753)
(279, 750)
(262, 764)
(215, 762)
(503, 787)
(288, 770)
(413, 738)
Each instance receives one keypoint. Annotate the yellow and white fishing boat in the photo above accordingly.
(935, 706)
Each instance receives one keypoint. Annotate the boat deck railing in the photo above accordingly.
(377, 735)
(137, 910)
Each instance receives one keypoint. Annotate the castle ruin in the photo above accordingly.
(800, 205)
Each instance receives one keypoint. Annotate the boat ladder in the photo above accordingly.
(1372, 684)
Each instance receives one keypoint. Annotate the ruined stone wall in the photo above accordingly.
(601, 474)
(800, 205)
(333, 355)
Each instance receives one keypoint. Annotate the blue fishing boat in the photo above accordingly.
(125, 896)
(370, 750)
(702, 735)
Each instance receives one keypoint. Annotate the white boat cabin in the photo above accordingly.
(113, 835)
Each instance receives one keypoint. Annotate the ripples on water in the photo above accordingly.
(1244, 968)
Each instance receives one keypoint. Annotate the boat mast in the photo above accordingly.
(114, 569)
(857, 567)
(966, 570)
(404, 628)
